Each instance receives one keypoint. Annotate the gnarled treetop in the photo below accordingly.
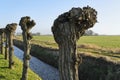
(26, 23)
(74, 22)
(11, 27)
(1, 30)
(79, 16)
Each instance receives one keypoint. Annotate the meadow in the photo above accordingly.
(107, 46)
(101, 41)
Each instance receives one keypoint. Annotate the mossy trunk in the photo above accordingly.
(68, 58)
(67, 61)
(11, 50)
(6, 47)
(9, 30)
(26, 24)
(26, 56)
(2, 44)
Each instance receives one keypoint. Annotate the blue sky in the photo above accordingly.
(44, 12)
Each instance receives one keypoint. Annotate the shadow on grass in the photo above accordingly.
(1, 58)
(2, 77)
(4, 67)
(116, 56)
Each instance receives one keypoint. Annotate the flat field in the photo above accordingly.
(101, 41)
(107, 46)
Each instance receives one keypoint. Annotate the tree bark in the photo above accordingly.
(11, 51)
(6, 47)
(67, 61)
(68, 58)
(26, 55)
(1, 43)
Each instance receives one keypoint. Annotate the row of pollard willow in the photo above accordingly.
(8, 32)
(67, 29)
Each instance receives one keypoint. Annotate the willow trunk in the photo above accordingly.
(26, 53)
(6, 47)
(2, 43)
(67, 65)
(68, 59)
(11, 50)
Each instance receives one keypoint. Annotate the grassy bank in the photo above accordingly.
(16, 72)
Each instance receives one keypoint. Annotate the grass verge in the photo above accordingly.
(16, 72)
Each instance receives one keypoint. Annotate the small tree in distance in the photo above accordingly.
(90, 33)
(67, 29)
(26, 25)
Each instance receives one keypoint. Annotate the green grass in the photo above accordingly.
(16, 72)
(97, 45)
(102, 41)
(45, 41)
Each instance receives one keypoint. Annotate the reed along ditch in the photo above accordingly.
(91, 68)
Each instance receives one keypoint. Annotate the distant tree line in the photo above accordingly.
(87, 33)
(90, 33)
(34, 34)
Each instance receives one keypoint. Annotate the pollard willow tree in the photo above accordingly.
(6, 44)
(10, 30)
(1, 36)
(26, 25)
(67, 29)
